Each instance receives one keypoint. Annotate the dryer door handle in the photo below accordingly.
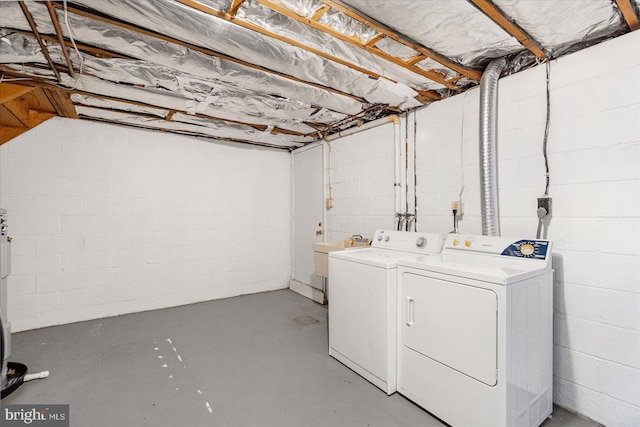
(411, 311)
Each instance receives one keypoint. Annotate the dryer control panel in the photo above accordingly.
(502, 246)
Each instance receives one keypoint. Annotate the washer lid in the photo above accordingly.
(382, 258)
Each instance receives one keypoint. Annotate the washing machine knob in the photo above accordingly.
(379, 238)
(386, 239)
(421, 242)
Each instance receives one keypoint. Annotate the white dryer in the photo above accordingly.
(363, 302)
(475, 345)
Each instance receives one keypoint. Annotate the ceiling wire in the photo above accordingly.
(73, 42)
(546, 133)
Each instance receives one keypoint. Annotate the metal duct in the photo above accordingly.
(488, 139)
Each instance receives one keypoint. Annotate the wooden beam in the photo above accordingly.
(468, 72)
(416, 59)
(353, 41)
(233, 10)
(190, 133)
(206, 51)
(320, 12)
(44, 49)
(10, 91)
(19, 109)
(56, 26)
(375, 39)
(629, 14)
(513, 29)
(251, 26)
(7, 133)
(61, 102)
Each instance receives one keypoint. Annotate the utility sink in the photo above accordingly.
(321, 253)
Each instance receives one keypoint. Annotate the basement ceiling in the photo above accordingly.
(275, 73)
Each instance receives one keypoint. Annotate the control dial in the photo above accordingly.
(527, 249)
(421, 242)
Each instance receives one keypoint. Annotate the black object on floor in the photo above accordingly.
(15, 377)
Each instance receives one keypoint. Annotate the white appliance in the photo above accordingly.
(5, 270)
(363, 302)
(476, 331)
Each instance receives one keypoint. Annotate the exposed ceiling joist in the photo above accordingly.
(629, 14)
(470, 73)
(43, 47)
(182, 132)
(56, 26)
(251, 26)
(234, 7)
(492, 11)
(201, 49)
(436, 77)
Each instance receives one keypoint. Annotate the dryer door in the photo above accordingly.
(451, 323)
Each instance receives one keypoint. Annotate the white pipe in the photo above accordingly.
(38, 376)
(372, 124)
(397, 168)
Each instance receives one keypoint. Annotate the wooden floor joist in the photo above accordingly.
(203, 50)
(513, 29)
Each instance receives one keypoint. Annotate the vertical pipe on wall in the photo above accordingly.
(488, 141)
(397, 156)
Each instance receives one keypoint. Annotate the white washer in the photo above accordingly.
(363, 302)
(475, 343)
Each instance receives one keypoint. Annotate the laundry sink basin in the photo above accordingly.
(321, 253)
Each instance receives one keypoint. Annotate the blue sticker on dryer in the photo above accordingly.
(534, 249)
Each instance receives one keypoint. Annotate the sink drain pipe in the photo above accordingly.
(488, 141)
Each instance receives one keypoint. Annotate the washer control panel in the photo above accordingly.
(408, 241)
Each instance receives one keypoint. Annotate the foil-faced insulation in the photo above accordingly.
(273, 21)
(348, 26)
(558, 25)
(196, 127)
(183, 22)
(453, 28)
(180, 58)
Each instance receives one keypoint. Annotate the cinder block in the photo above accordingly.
(34, 224)
(24, 284)
(87, 187)
(34, 184)
(617, 381)
(619, 236)
(48, 205)
(59, 243)
(17, 204)
(619, 162)
(22, 244)
(86, 260)
(606, 342)
(83, 223)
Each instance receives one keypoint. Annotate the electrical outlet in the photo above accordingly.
(457, 206)
(545, 202)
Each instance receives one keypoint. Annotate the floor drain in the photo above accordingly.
(305, 320)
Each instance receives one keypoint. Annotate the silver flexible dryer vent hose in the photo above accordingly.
(488, 138)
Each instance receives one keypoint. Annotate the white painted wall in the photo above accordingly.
(362, 183)
(594, 156)
(109, 220)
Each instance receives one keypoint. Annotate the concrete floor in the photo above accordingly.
(254, 360)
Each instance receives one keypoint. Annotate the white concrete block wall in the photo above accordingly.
(362, 184)
(594, 158)
(109, 220)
